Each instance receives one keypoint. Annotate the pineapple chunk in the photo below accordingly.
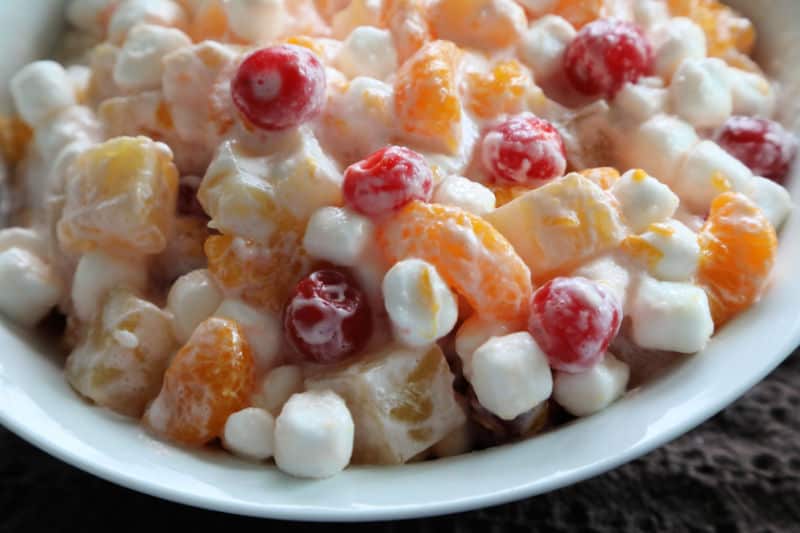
(122, 197)
(253, 196)
(555, 227)
(122, 359)
(402, 402)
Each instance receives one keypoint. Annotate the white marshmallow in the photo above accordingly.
(421, 306)
(643, 199)
(700, 92)
(29, 287)
(607, 271)
(456, 442)
(753, 94)
(40, 90)
(338, 235)
(669, 250)
(278, 386)
(80, 75)
(86, 15)
(25, 239)
(192, 298)
(97, 274)
(262, 330)
(510, 375)
(465, 193)
(774, 200)
(367, 51)
(542, 45)
(659, 146)
(74, 124)
(648, 13)
(592, 390)
(133, 12)
(139, 65)
(671, 316)
(707, 171)
(357, 13)
(314, 435)
(257, 21)
(675, 41)
(249, 433)
(690, 220)
(639, 102)
(474, 332)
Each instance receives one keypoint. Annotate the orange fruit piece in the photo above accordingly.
(210, 22)
(427, 104)
(726, 30)
(15, 136)
(737, 252)
(472, 256)
(581, 12)
(408, 22)
(484, 24)
(504, 194)
(209, 379)
(260, 274)
(604, 177)
(500, 91)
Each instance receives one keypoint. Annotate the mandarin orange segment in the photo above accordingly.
(581, 12)
(504, 194)
(468, 252)
(15, 136)
(726, 30)
(604, 177)
(408, 22)
(210, 22)
(209, 379)
(738, 246)
(503, 90)
(427, 104)
(261, 275)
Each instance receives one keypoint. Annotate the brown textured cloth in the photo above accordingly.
(739, 472)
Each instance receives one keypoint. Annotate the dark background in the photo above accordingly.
(739, 472)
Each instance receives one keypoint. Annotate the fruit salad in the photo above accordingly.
(334, 232)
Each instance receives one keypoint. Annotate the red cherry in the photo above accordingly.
(605, 55)
(279, 87)
(573, 320)
(387, 180)
(523, 150)
(762, 145)
(327, 318)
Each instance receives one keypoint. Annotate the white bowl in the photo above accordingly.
(37, 404)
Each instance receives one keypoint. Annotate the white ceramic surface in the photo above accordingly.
(37, 404)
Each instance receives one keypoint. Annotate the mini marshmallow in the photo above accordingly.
(357, 13)
(643, 199)
(74, 124)
(133, 12)
(753, 94)
(648, 13)
(25, 239)
(465, 193)
(456, 442)
(474, 332)
(87, 15)
(707, 171)
(542, 45)
(607, 271)
(338, 235)
(81, 76)
(139, 65)
(193, 298)
(592, 390)
(249, 433)
(671, 316)
(40, 90)
(510, 375)
(700, 92)
(421, 306)
(257, 21)
(677, 40)
(639, 102)
(97, 274)
(29, 287)
(278, 386)
(367, 51)
(314, 435)
(261, 328)
(659, 146)
(774, 200)
(669, 250)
